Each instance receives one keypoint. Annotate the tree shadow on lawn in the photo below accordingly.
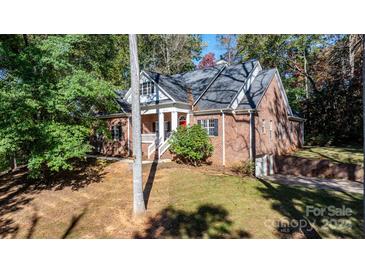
(17, 190)
(208, 221)
(295, 205)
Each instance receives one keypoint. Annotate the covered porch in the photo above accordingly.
(157, 126)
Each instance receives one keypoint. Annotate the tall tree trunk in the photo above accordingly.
(138, 202)
(306, 74)
(363, 120)
(352, 42)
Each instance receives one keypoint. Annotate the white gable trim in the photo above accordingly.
(160, 88)
(282, 91)
(242, 91)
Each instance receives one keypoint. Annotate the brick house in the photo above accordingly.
(243, 107)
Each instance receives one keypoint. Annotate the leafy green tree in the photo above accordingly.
(191, 144)
(49, 99)
(51, 87)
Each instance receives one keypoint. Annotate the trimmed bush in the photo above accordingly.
(243, 168)
(191, 144)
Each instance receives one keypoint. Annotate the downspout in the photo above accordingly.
(129, 152)
(223, 139)
(252, 136)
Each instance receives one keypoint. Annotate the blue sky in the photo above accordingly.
(213, 45)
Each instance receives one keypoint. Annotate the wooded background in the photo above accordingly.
(51, 86)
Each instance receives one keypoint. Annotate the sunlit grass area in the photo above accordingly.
(347, 155)
(182, 202)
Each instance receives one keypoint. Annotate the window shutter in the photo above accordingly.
(215, 127)
(112, 132)
(120, 132)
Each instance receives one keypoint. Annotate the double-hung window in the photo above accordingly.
(210, 125)
(147, 88)
(116, 132)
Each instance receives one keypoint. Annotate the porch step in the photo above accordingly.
(154, 156)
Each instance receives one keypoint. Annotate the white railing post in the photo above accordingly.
(161, 126)
(174, 120)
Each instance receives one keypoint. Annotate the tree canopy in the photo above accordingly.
(51, 87)
(322, 77)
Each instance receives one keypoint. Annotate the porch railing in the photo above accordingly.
(163, 147)
(148, 137)
(152, 148)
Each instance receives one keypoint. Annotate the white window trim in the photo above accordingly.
(147, 88)
(205, 123)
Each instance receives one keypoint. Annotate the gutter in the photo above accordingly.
(298, 119)
(252, 148)
(244, 111)
(113, 115)
(212, 111)
(223, 140)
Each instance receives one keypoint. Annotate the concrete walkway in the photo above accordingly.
(334, 184)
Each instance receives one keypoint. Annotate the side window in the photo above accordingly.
(263, 126)
(116, 132)
(147, 88)
(210, 125)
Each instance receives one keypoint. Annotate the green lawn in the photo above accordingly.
(348, 155)
(182, 202)
(216, 205)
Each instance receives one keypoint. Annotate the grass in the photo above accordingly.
(346, 155)
(95, 202)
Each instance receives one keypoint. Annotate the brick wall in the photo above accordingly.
(117, 147)
(216, 140)
(285, 134)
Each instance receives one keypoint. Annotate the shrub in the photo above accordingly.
(191, 144)
(243, 168)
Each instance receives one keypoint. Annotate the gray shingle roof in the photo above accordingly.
(228, 81)
(221, 93)
(123, 104)
(198, 80)
(170, 83)
(257, 89)
(177, 85)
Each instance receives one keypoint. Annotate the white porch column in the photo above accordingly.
(174, 120)
(161, 126)
(188, 119)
